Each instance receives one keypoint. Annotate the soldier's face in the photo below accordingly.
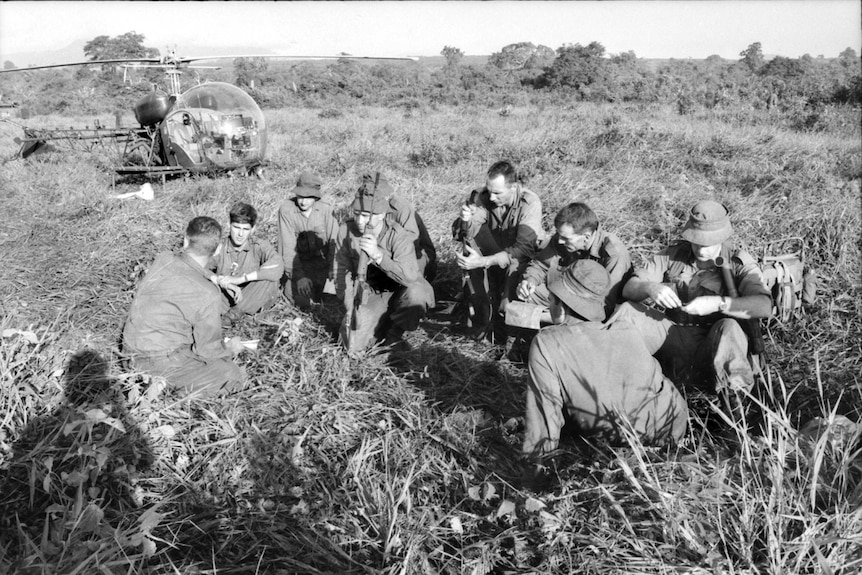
(304, 204)
(573, 242)
(366, 222)
(705, 253)
(500, 192)
(239, 233)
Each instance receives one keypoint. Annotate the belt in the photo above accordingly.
(681, 318)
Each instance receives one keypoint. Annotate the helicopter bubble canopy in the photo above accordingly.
(216, 123)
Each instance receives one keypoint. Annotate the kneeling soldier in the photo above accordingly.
(394, 296)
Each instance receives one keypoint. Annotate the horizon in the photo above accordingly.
(653, 30)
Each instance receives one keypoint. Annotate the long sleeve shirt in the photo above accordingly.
(677, 266)
(606, 248)
(397, 267)
(516, 228)
(305, 238)
(610, 374)
(175, 307)
(256, 255)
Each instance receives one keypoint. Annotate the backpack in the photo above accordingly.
(787, 278)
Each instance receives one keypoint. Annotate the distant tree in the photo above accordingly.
(453, 55)
(128, 45)
(781, 67)
(752, 56)
(848, 59)
(249, 70)
(581, 68)
(8, 65)
(522, 56)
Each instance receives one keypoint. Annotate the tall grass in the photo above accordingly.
(406, 462)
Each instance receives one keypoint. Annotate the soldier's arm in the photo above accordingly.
(271, 266)
(398, 260)
(528, 232)
(647, 283)
(287, 243)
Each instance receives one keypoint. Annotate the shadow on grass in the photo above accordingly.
(73, 471)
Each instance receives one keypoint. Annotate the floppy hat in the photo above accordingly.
(708, 224)
(373, 185)
(307, 186)
(583, 286)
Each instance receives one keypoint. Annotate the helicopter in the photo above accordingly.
(211, 128)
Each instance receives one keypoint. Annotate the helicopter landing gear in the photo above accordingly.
(139, 153)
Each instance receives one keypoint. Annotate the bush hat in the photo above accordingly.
(583, 287)
(708, 224)
(307, 186)
(373, 185)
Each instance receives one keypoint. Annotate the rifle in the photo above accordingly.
(751, 326)
(360, 284)
(467, 282)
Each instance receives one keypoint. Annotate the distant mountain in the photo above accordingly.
(74, 52)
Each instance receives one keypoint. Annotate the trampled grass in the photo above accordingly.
(407, 462)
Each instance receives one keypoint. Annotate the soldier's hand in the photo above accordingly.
(234, 291)
(470, 261)
(225, 281)
(703, 305)
(234, 345)
(664, 295)
(525, 290)
(304, 286)
(466, 212)
(368, 244)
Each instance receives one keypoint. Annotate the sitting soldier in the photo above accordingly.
(703, 285)
(601, 376)
(173, 327)
(249, 263)
(578, 236)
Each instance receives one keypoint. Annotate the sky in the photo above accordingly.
(653, 29)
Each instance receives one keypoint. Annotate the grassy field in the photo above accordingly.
(407, 462)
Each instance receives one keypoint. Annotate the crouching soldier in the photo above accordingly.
(173, 328)
(377, 276)
(306, 241)
(608, 382)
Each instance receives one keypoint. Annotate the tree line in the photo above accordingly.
(520, 73)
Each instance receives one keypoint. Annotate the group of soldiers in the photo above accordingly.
(617, 343)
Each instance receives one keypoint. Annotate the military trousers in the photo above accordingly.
(385, 312)
(707, 357)
(196, 376)
(256, 296)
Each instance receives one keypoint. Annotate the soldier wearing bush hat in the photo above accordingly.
(306, 241)
(699, 288)
(404, 214)
(398, 296)
(596, 374)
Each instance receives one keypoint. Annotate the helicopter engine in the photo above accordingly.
(152, 108)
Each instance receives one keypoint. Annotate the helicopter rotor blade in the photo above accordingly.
(294, 57)
(86, 63)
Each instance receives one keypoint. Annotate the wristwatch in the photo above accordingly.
(724, 305)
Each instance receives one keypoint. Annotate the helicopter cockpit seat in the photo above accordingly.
(184, 135)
